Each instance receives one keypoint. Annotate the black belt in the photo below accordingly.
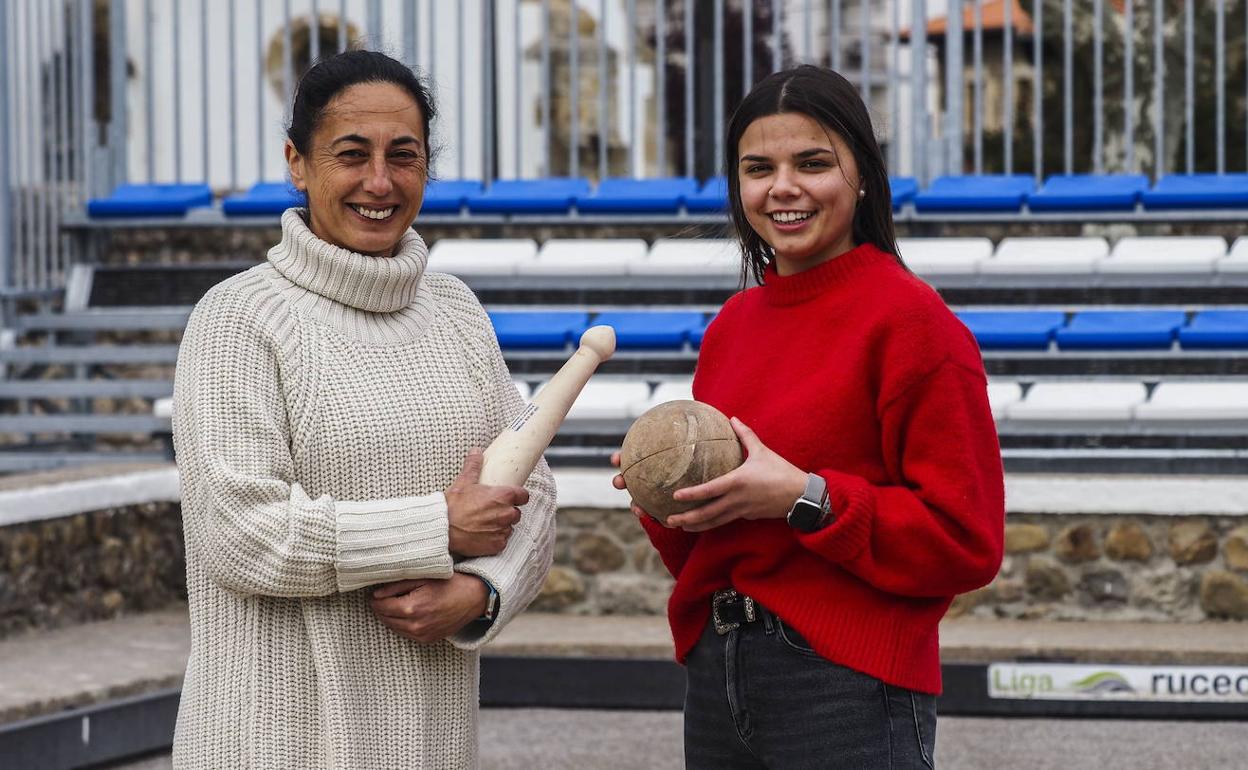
(731, 609)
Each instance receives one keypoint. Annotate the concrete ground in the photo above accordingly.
(606, 740)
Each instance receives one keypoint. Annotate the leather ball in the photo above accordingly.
(674, 445)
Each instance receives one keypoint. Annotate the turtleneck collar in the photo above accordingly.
(808, 284)
(373, 284)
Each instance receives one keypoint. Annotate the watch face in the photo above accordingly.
(805, 516)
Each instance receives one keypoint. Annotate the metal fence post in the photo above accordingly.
(117, 132)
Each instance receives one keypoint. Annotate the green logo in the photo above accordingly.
(1103, 682)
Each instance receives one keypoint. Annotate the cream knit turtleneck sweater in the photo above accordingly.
(324, 399)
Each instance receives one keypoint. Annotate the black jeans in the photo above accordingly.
(759, 697)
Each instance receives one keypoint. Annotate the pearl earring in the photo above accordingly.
(862, 193)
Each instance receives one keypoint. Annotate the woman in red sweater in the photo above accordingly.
(811, 580)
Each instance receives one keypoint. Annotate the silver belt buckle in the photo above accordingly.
(721, 597)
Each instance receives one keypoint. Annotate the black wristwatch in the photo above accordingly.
(812, 511)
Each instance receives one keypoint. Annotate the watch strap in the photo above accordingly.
(491, 602)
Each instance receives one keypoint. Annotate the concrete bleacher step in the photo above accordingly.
(91, 354)
(153, 318)
(83, 423)
(47, 672)
(85, 388)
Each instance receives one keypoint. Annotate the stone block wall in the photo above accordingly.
(91, 566)
(1118, 568)
(1062, 567)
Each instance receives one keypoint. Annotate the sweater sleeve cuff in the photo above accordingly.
(853, 505)
(381, 541)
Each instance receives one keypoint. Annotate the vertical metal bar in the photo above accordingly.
(433, 41)
(61, 142)
(660, 73)
(176, 55)
(288, 64)
(1159, 93)
(574, 91)
(1038, 91)
(1098, 104)
(342, 24)
(1128, 87)
(717, 29)
(460, 88)
(314, 34)
(689, 65)
(808, 39)
(1007, 91)
(1220, 83)
(206, 136)
(918, 89)
(409, 32)
(547, 85)
(747, 47)
(1189, 85)
(86, 101)
(20, 80)
(777, 34)
(149, 104)
(953, 89)
(487, 124)
(630, 62)
(231, 11)
(864, 48)
(517, 85)
(40, 145)
(834, 34)
(977, 24)
(894, 93)
(6, 210)
(261, 141)
(372, 22)
(1068, 117)
(604, 105)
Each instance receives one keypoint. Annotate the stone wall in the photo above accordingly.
(90, 566)
(1118, 568)
(1062, 567)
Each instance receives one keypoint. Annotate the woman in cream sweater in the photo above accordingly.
(343, 562)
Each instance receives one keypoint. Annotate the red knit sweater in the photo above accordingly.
(854, 370)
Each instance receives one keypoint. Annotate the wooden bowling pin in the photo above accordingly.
(514, 454)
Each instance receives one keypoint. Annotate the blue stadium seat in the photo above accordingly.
(1089, 192)
(1013, 329)
(711, 198)
(638, 196)
(695, 336)
(1198, 191)
(1216, 329)
(1120, 330)
(448, 196)
(975, 193)
(264, 198)
(903, 189)
(151, 200)
(529, 196)
(653, 328)
(536, 329)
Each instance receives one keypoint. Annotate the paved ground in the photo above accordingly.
(593, 740)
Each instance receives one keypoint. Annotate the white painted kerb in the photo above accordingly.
(587, 488)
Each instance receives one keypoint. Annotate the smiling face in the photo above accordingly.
(365, 169)
(799, 189)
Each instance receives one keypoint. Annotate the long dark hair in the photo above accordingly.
(830, 99)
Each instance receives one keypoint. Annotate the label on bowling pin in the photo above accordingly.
(523, 417)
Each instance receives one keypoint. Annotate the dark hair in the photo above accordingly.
(828, 98)
(334, 74)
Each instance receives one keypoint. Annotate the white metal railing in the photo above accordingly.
(99, 93)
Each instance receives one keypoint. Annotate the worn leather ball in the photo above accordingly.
(674, 445)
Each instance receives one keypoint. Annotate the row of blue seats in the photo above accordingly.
(948, 194)
(994, 330)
